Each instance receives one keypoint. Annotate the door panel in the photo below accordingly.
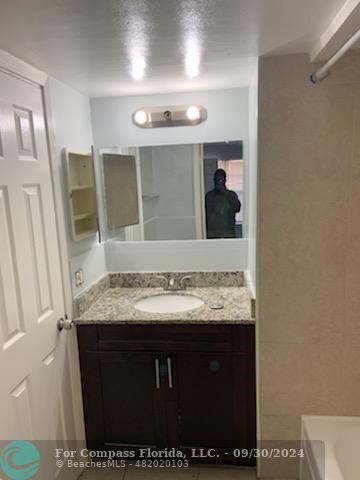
(39, 252)
(33, 354)
(132, 405)
(25, 133)
(21, 409)
(11, 314)
(212, 393)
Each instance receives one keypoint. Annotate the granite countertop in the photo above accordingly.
(115, 305)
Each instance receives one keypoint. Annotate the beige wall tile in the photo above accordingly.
(283, 72)
(301, 379)
(353, 231)
(308, 306)
(353, 235)
(281, 427)
(291, 72)
(279, 468)
(304, 191)
(308, 244)
(355, 166)
(351, 375)
(352, 319)
(322, 380)
(305, 132)
(346, 70)
(279, 394)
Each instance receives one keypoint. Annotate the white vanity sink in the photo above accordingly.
(168, 303)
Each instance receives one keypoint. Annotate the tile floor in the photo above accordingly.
(190, 473)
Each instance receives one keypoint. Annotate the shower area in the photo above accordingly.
(168, 192)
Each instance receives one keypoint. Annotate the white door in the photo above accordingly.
(35, 387)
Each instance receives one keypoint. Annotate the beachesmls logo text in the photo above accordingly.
(19, 460)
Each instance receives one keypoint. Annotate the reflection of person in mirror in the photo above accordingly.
(221, 207)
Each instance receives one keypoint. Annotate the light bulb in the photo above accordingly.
(193, 113)
(192, 57)
(140, 117)
(138, 67)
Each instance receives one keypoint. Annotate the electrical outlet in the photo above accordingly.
(79, 277)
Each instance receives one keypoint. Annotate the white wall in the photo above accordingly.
(227, 119)
(72, 129)
(93, 263)
(200, 255)
(252, 174)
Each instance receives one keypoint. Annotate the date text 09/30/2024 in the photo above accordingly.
(173, 453)
(249, 453)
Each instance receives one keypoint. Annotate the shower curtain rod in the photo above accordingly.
(324, 71)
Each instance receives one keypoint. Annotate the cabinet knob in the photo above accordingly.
(214, 366)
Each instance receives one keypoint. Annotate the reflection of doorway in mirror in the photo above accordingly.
(227, 156)
(235, 181)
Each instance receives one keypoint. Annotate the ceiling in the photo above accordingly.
(121, 47)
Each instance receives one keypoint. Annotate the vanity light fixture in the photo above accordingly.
(172, 116)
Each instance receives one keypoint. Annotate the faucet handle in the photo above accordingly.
(184, 279)
(164, 279)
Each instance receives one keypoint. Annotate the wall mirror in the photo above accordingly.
(173, 192)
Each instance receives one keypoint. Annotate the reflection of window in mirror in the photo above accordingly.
(235, 181)
(224, 187)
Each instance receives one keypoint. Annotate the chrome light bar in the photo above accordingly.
(169, 116)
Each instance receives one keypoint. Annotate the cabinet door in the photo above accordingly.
(215, 399)
(123, 399)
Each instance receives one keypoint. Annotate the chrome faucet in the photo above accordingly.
(170, 283)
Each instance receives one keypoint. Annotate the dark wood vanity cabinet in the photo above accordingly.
(183, 386)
